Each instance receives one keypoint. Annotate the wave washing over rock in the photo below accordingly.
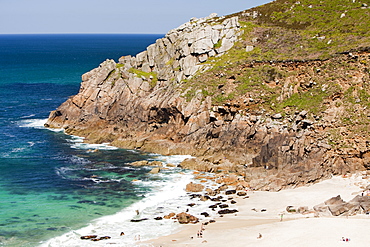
(139, 103)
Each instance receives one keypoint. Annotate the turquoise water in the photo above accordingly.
(49, 182)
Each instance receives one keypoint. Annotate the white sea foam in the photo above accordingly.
(78, 143)
(35, 123)
(32, 115)
(87, 146)
(32, 123)
(168, 195)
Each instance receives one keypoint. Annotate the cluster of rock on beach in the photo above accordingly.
(226, 189)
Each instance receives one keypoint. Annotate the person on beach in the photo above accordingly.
(281, 216)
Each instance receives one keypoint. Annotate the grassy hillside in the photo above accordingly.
(307, 55)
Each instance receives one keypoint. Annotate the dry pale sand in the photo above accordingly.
(295, 230)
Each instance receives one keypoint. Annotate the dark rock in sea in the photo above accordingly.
(88, 237)
(86, 201)
(158, 218)
(191, 204)
(233, 202)
(52, 229)
(205, 198)
(230, 192)
(223, 206)
(192, 196)
(138, 220)
(216, 199)
(213, 206)
(241, 193)
(205, 214)
(228, 211)
(212, 221)
(105, 237)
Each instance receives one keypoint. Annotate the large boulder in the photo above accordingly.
(337, 206)
(193, 187)
(140, 163)
(185, 218)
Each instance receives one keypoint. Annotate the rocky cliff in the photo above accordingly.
(275, 123)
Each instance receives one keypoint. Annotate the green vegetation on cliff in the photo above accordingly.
(296, 55)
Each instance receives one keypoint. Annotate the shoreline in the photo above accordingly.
(244, 227)
(295, 229)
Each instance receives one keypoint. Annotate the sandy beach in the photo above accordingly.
(259, 221)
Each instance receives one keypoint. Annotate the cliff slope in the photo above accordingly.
(278, 94)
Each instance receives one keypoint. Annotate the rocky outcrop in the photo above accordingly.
(336, 206)
(185, 218)
(193, 187)
(140, 102)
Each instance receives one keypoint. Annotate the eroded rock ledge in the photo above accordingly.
(137, 103)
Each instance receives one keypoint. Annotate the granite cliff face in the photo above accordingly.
(142, 102)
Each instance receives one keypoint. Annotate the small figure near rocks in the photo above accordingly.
(259, 236)
(281, 216)
(202, 227)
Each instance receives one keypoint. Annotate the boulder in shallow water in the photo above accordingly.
(169, 216)
(155, 170)
(140, 163)
(193, 187)
(185, 218)
(138, 220)
(241, 193)
(88, 237)
(228, 211)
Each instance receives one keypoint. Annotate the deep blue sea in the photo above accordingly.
(50, 183)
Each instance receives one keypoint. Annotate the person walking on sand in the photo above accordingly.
(281, 216)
